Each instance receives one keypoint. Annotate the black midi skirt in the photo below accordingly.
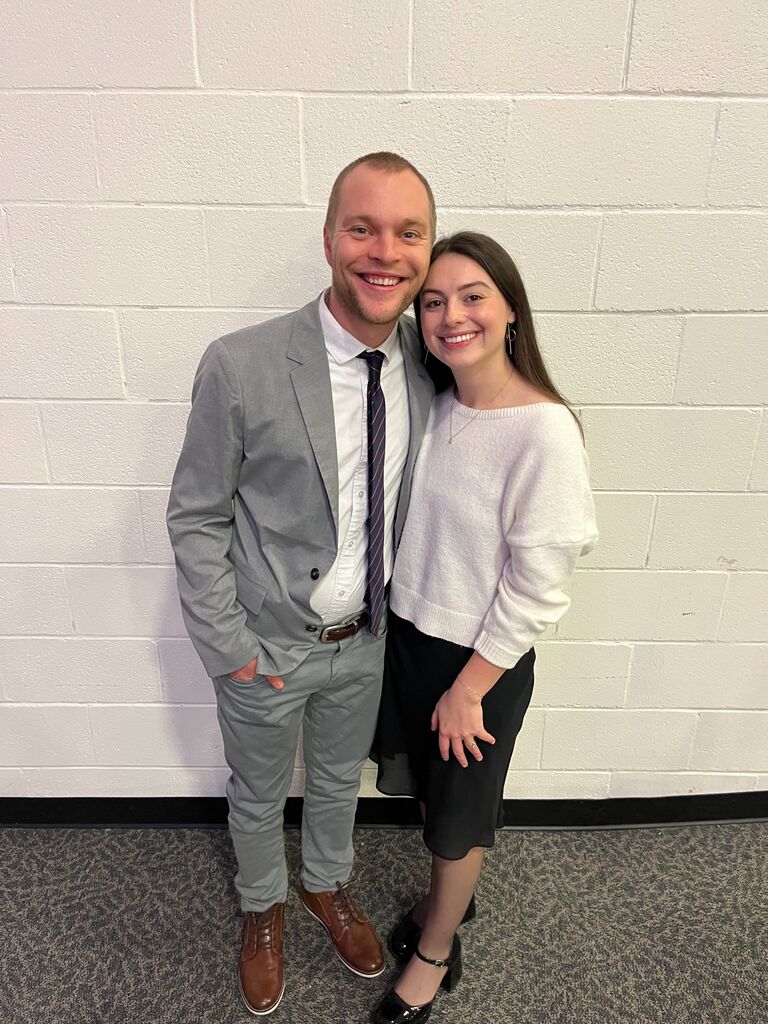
(463, 806)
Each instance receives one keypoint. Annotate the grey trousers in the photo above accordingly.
(335, 693)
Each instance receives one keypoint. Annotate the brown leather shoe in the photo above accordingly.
(352, 934)
(261, 959)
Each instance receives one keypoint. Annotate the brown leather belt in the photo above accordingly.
(329, 634)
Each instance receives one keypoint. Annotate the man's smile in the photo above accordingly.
(381, 282)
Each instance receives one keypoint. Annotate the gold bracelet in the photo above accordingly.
(474, 693)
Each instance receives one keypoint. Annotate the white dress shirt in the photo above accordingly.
(341, 592)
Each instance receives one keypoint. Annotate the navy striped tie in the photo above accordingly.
(375, 522)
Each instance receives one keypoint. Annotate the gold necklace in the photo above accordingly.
(472, 419)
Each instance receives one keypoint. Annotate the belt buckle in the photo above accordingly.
(351, 621)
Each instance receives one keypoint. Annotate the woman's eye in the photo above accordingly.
(432, 303)
(472, 298)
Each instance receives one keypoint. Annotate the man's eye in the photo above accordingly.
(410, 235)
(359, 230)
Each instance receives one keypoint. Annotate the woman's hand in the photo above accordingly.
(458, 720)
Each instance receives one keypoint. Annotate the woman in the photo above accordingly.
(500, 511)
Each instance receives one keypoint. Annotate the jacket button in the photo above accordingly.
(315, 574)
(311, 629)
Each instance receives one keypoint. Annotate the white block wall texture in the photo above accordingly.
(164, 169)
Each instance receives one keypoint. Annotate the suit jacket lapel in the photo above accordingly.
(311, 379)
(420, 392)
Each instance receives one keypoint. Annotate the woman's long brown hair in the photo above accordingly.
(500, 267)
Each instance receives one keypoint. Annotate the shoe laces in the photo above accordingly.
(263, 929)
(344, 905)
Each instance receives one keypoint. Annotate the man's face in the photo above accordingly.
(378, 250)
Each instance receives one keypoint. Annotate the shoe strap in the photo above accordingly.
(435, 963)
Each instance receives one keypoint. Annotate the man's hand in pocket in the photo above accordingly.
(248, 673)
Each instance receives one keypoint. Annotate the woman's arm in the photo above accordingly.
(550, 521)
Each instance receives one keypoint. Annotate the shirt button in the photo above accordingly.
(315, 574)
(311, 629)
(350, 544)
(360, 494)
(342, 593)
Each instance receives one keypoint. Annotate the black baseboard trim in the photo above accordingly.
(385, 812)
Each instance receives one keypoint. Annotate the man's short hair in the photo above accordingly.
(391, 163)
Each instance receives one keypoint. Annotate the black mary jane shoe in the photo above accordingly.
(394, 1010)
(404, 937)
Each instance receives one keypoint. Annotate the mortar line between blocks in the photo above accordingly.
(302, 155)
(46, 457)
(195, 48)
(411, 41)
(710, 166)
(651, 528)
(754, 210)
(539, 764)
(68, 595)
(596, 271)
(145, 307)
(120, 355)
(591, 709)
(91, 733)
(96, 145)
(95, 401)
(58, 486)
(692, 742)
(142, 531)
(755, 449)
(680, 348)
(6, 226)
(628, 43)
(122, 564)
(88, 307)
(395, 94)
(207, 257)
(630, 664)
(728, 577)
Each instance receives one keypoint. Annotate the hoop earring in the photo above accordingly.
(511, 336)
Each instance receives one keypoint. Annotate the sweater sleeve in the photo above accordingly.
(548, 525)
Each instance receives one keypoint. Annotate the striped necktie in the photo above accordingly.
(375, 522)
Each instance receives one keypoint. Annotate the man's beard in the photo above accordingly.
(348, 298)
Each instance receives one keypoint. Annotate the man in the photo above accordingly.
(285, 510)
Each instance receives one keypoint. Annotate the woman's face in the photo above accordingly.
(464, 316)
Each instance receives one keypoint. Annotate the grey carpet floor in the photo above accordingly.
(641, 926)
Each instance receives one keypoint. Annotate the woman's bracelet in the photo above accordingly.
(474, 693)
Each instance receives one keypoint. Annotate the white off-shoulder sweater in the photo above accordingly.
(495, 524)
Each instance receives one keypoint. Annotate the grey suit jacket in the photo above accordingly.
(254, 502)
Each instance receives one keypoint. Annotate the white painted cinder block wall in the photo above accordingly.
(164, 168)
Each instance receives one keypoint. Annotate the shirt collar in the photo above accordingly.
(342, 346)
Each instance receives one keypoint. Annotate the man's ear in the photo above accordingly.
(327, 246)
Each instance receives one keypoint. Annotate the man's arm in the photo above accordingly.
(200, 515)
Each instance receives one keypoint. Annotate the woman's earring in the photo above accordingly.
(511, 335)
(426, 355)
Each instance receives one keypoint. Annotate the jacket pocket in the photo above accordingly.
(249, 593)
